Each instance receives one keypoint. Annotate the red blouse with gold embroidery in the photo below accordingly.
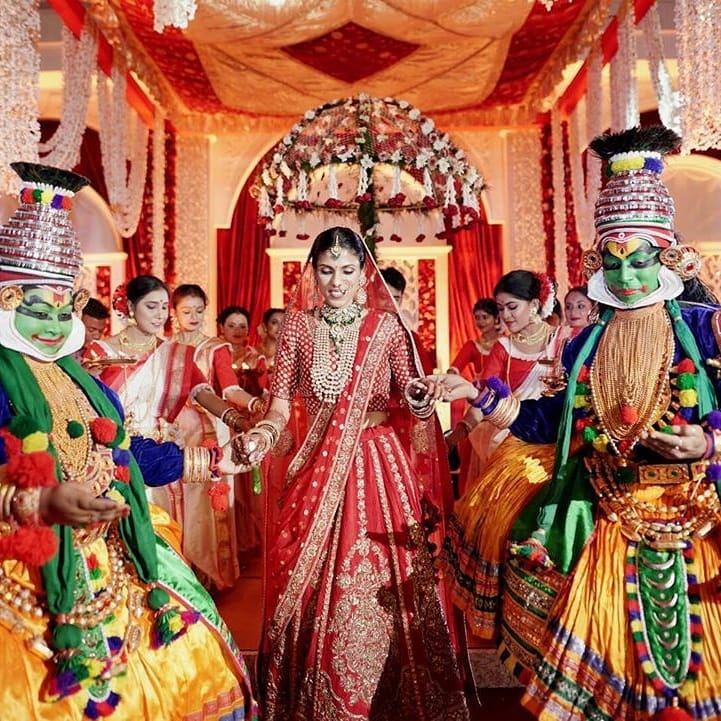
(294, 359)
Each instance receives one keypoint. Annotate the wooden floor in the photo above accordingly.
(241, 609)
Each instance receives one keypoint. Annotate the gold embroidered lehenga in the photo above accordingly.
(353, 623)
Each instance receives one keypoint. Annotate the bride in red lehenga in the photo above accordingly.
(353, 624)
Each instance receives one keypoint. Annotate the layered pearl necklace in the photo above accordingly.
(332, 365)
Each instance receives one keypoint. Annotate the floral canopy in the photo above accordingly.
(391, 158)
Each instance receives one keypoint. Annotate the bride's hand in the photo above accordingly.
(249, 448)
(446, 387)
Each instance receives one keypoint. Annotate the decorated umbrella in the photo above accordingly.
(371, 157)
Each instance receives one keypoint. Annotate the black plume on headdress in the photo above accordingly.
(655, 138)
(46, 174)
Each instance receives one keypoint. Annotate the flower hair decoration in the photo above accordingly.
(119, 303)
(546, 294)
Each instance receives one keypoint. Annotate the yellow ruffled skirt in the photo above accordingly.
(200, 676)
(588, 653)
(475, 548)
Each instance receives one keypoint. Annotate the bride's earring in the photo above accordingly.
(361, 297)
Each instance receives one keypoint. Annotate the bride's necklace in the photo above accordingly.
(335, 341)
(535, 336)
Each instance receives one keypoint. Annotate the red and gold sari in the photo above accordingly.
(353, 625)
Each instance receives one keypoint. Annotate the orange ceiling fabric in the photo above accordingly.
(277, 58)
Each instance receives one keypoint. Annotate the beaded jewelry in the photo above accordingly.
(332, 366)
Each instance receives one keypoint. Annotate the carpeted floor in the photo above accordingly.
(241, 608)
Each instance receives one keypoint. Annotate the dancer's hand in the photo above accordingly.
(228, 464)
(686, 443)
(73, 504)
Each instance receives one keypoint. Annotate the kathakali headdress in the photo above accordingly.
(38, 246)
(635, 206)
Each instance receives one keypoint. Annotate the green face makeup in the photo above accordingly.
(45, 318)
(634, 276)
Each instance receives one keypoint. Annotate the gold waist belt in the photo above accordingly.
(662, 474)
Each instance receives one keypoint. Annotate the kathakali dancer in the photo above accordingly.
(98, 615)
(612, 600)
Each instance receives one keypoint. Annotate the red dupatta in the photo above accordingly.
(328, 449)
(323, 462)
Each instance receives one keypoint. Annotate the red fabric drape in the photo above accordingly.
(243, 264)
(474, 268)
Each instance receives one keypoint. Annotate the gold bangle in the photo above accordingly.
(505, 412)
(233, 418)
(6, 498)
(255, 404)
(26, 506)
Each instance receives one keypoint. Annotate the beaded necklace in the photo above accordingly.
(73, 450)
(630, 374)
(335, 340)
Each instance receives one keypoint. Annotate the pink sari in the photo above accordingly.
(353, 626)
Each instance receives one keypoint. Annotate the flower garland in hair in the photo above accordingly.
(119, 303)
(546, 294)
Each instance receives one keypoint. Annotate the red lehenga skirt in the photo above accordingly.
(353, 623)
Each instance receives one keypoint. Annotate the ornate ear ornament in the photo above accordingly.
(10, 297)
(682, 260)
(80, 300)
(592, 262)
(361, 296)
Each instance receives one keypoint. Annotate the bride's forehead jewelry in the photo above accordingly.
(335, 249)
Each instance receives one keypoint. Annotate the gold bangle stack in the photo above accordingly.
(233, 419)
(255, 405)
(505, 412)
(196, 465)
(269, 430)
(7, 492)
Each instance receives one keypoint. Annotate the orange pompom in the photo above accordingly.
(218, 493)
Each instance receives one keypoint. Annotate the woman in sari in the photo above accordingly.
(353, 626)
(99, 617)
(155, 380)
(209, 531)
(510, 470)
(234, 327)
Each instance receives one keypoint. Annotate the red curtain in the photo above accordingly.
(474, 268)
(243, 264)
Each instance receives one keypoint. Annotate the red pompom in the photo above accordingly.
(672, 714)
(629, 414)
(583, 374)
(686, 366)
(13, 444)
(218, 493)
(122, 473)
(103, 430)
(29, 470)
(32, 545)
(679, 420)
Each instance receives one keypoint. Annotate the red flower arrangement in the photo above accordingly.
(364, 198)
(397, 200)
(429, 202)
(333, 203)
